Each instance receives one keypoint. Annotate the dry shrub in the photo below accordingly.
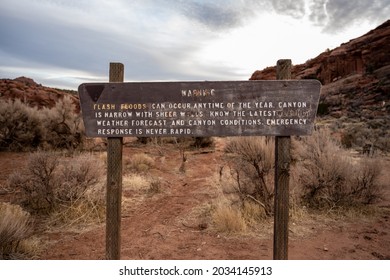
(81, 193)
(325, 170)
(20, 126)
(228, 219)
(365, 132)
(139, 163)
(28, 128)
(50, 183)
(37, 182)
(63, 126)
(328, 176)
(86, 209)
(76, 175)
(250, 163)
(14, 227)
(297, 211)
(365, 186)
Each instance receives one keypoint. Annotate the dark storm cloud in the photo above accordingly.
(335, 15)
(218, 15)
(318, 12)
(344, 13)
(212, 14)
(332, 15)
(294, 8)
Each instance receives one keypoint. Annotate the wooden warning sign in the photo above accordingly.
(195, 109)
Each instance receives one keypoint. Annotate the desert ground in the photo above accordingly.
(175, 222)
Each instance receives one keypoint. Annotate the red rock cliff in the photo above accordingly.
(33, 94)
(355, 75)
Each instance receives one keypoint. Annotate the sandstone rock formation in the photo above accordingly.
(33, 94)
(355, 76)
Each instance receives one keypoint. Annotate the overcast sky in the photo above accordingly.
(63, 43)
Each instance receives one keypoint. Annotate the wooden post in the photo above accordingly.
(114, 182)
(282, 178)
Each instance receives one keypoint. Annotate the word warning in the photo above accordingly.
(196, 109)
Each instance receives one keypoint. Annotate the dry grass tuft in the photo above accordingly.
(228, 219)
(253, 213)
(154, 186)
(29, 248)
(135, 182)
(139, 183)
(139, 163)
(87, 209)
(14, 227)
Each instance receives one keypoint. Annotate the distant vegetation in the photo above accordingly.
(24, 128)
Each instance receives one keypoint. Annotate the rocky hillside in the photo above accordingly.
(355, 76)
(32, 93)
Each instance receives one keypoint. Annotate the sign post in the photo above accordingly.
(114, 181)
(282, 178)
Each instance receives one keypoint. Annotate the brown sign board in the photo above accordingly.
(198, 109)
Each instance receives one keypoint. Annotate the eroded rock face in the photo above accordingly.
(33, 94)
(355, 75)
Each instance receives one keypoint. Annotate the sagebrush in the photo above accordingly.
(20, 126)
(248, 175)
(371, 133)
(328, 175)
(51, 181)
(27, 128)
